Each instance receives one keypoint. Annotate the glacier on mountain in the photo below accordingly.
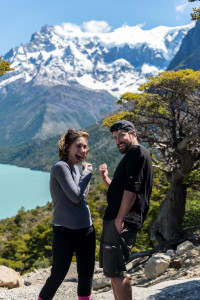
(117, 61)
(70, 76)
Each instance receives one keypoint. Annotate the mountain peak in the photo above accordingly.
(91, 54)
(70, 76)
(188, 55)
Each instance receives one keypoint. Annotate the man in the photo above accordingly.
(128, 202)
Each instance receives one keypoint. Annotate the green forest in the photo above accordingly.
(26, 238)
(166, 114)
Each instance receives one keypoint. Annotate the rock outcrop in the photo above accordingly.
(9, 278)
(188, 56)
(157, 265)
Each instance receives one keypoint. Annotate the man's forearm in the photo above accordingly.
(106, 181)
(126, 204)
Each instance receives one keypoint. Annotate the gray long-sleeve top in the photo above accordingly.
(68, 190)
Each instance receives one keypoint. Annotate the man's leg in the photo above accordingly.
(121, 288)
(111, 257)
(121, 285)
(116, 249)
(114, 291)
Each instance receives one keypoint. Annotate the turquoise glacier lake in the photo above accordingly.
(22, 187)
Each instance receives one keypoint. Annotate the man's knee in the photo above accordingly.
(122, 287)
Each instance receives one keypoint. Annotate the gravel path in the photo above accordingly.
(188, 289)
(169, 290)
(184, 288)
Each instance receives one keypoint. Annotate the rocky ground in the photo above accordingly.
(181, 280)
(173, 284)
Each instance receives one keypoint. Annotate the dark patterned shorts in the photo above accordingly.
(115, 248)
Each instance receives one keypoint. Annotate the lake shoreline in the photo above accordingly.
(22, 187)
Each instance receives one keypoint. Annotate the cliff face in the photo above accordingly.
(188, 56)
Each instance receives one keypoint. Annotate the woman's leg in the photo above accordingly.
(63, 248)
(85, 256)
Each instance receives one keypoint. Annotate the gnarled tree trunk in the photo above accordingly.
(168, 222)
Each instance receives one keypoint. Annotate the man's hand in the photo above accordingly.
(104, 174)
(119, 224)
(103, 171)
(126, 204)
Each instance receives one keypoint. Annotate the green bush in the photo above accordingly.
(26, 239)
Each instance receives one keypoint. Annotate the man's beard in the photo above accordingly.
(125, 148)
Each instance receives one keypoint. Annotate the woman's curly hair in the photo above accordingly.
(67, 139)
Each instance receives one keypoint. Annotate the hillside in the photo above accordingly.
(25, 239)
(31, 113)
(188, 56)
(40, 155)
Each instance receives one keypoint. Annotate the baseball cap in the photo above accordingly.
(122, 124)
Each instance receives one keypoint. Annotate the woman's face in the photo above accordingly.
(77, 151)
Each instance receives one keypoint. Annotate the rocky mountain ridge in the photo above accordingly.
(116, 61)
(67, 77)
(188, 56)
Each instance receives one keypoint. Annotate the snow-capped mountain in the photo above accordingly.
(67, 76)
(116, 61)
(188, 56)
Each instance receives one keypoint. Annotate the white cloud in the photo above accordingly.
(140, 25)
(96, 26)
(182, 6)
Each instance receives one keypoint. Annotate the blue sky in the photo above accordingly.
(19, 19)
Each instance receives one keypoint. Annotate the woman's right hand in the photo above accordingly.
(86, 165)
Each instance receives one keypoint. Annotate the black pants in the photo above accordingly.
(65, 243)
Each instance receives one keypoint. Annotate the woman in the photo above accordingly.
(72, 223)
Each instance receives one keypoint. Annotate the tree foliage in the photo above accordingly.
(196, 12)
(4, 67)
(25, 239)
(167, 116)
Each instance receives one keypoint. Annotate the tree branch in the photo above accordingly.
(183, 144)
(196, 166)
(162, 170)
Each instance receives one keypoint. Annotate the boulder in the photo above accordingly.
(198, 248)
(157, 265)
(192, 253)
(9, 278)
(182, 248)
(101, 283)
(170, 252)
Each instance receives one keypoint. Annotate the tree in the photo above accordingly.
(4, 67)
(167, 116)
(196, 12)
